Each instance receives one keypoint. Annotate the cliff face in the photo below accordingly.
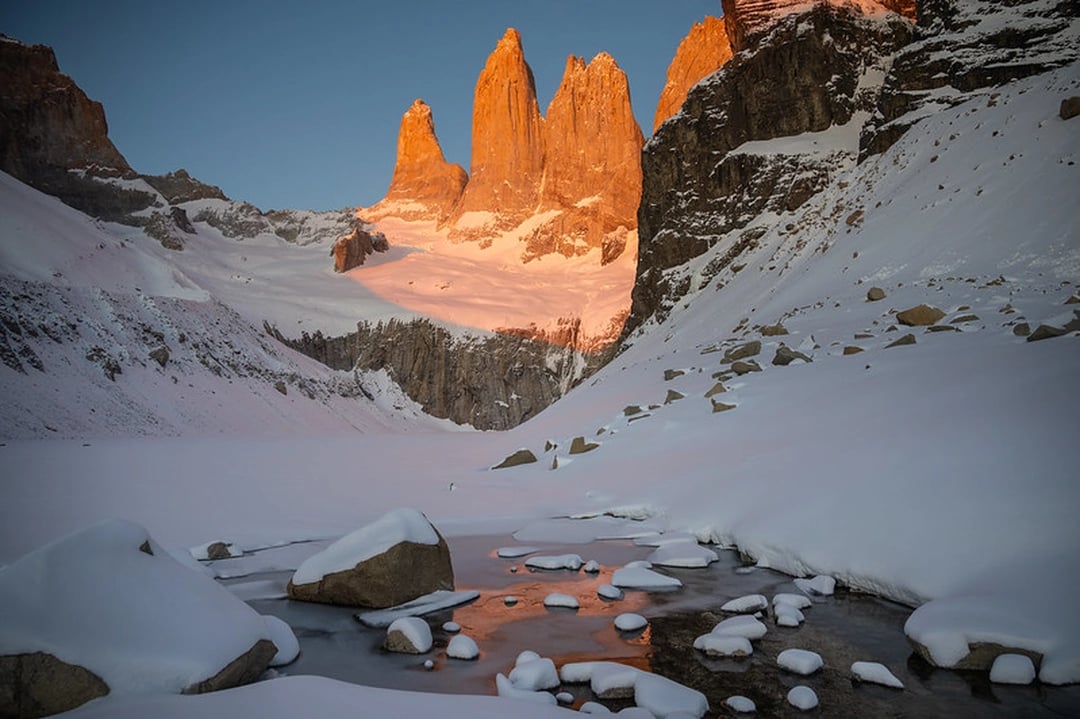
(491, 382)
(699, 187)
(46, 121)
(747, 18)
(424, 186)
(507, 141)
(702, 52)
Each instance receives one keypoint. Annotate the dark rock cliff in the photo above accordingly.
(800, 74)
(492, 382)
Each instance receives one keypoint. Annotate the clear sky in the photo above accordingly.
(297, 105)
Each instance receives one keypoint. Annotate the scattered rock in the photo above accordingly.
(1070, 107)
(785, 356)
(670, 374)
(522, 456)
(980, 656)
(245, 669)
(740, 368)
(631, 409)
(673, 396)
(160, 355)
(280, 387)
(717, 388)
(218, 550)
(874, 294)
(942, 328)
(1073, 300)
(743, 351)
(852, 350)
(579, 446)
(408, 635)
(1044, 332)
(908, 339)
(774, 330)
(965, 318)
(919, 316)
(549, 445)
(863, 336)
(721, 406)
(800, 661)
(1023, 329)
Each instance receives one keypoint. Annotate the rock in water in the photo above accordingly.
(704, 50)
(424, 186)
(396, 559)
(408, 635)
(507, 142)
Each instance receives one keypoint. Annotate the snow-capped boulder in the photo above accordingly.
(166, 628)
(395, 559)
(408, 635)
(462, 647)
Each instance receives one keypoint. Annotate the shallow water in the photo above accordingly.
(844, 628)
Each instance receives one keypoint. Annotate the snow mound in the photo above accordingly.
(642, 578)
(630, 622)
(788, 616)
(741, 704)
(1012, 669)
(112, 600)
(747, 604)
(415, 630)
(802, 697)
(505, 688)
(281, 634)
(741, 626)
(451, 627)
(557, 599)
(427, 604)
(659, 695)
(724, 645)
(683, 554)
(592, 567)
(799, 601)
(607, 591)
(876, 673)
(821, 584)
(462, 647)
(560, 561)
(515, 552)
(800, 661)
(394, 527)
(533, 673)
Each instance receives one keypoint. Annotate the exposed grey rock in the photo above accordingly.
(398, 642)
(38, 684)
(741, 367)
(673, 396)
(218, 550)
(245, 669)
(178, 187)
(980, 657)
(774, 330)
(160, 355)
(852, 350)
(785, 356)
(919, 316)
(965, 318)
(579, 446)
(715, 389)
(281, 387)
(1022, 329)
(743, 351)
(670, 374)
(875, 294)
(522, 456)
(721, 406)
(631, 409)
(1044, 332)
(1070, 107)
(908, 339)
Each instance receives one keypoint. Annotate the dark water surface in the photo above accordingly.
(844, 628)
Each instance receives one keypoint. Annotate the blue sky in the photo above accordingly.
(297, 105)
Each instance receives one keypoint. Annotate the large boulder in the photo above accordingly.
(919, 316)
(395, 559)
(106, 611)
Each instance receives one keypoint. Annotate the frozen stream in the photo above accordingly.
(843, 628)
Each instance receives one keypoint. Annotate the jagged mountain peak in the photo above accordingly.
(703, 51)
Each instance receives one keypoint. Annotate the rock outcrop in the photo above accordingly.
(699, 188)
(424, 186)
(47, 122)
(507, 145)
(702, 52)
(352, 249)
(397, 558)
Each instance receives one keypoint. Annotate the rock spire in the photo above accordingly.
(424, 185)
(702, 52)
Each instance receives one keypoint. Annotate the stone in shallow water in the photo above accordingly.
(629, 622)
(800, 661)
(741, 704)
(1012, 669)
(802, 697)
(875, 673)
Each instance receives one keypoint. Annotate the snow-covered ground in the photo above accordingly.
(941, 474)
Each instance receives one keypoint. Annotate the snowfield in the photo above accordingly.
(940, 474)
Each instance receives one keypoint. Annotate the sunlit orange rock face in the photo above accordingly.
(702, 52)
(592, 167)
(507, 138)
(425, 186)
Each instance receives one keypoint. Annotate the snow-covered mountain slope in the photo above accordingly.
(104, 335)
